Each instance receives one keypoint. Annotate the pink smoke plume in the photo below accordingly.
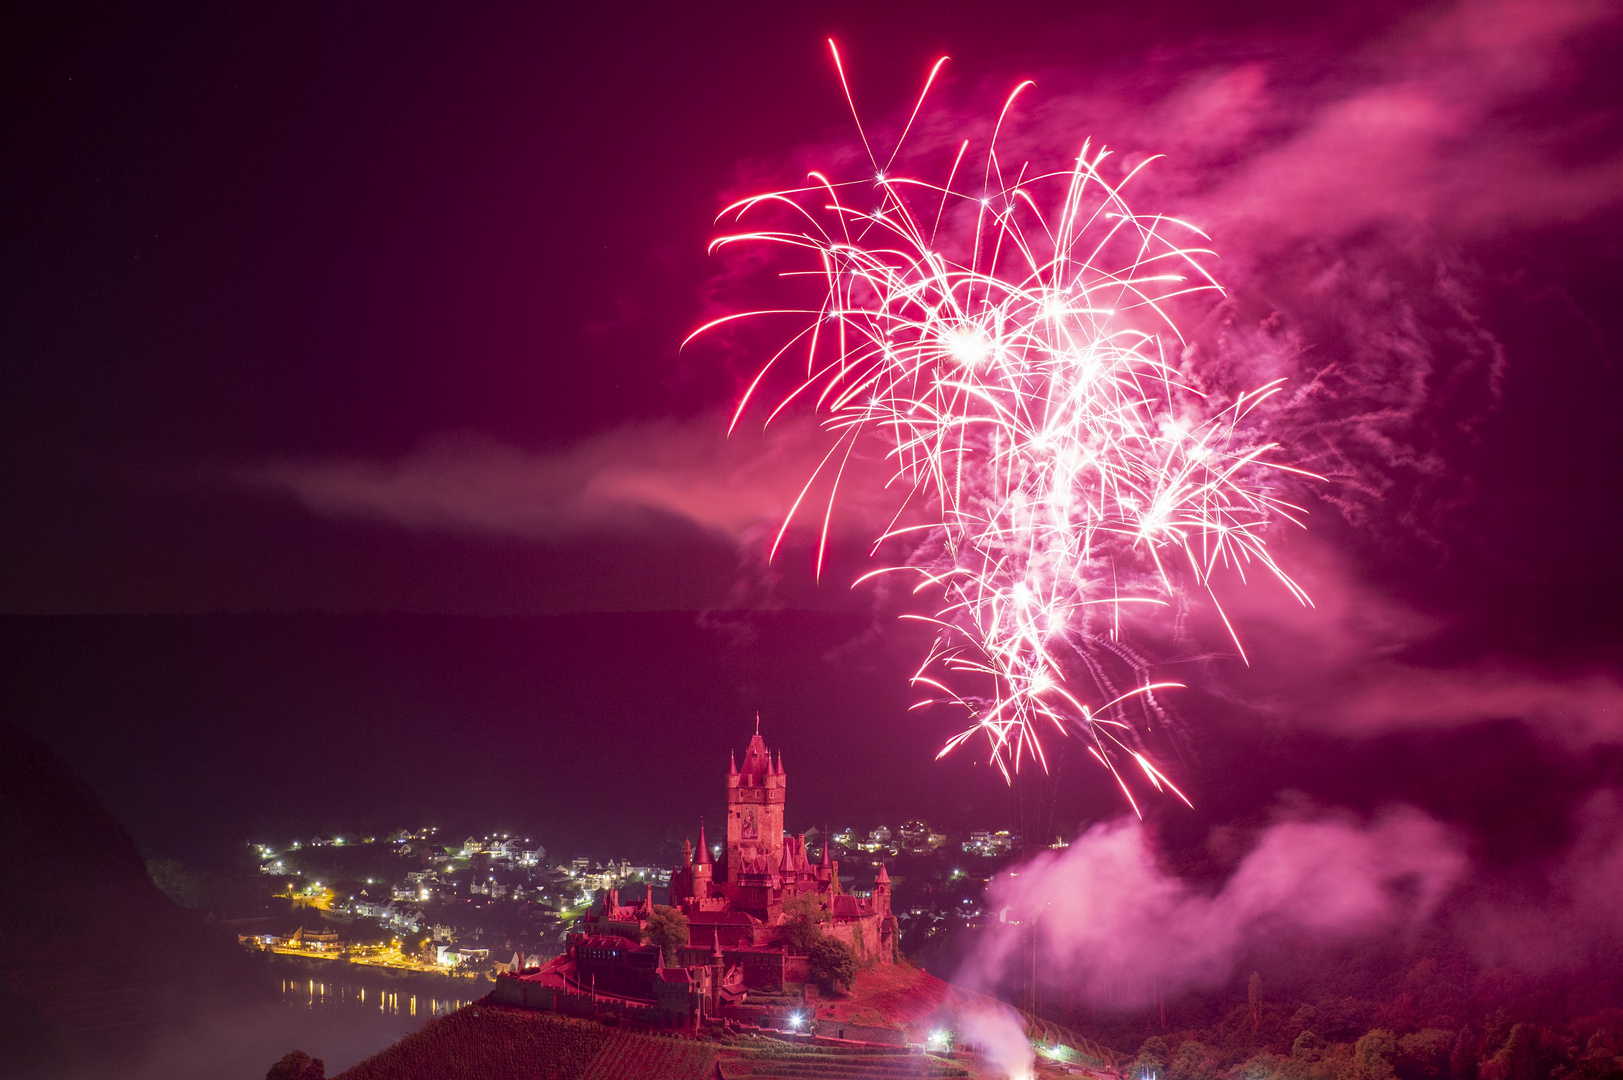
(999, 1037)
(1349, 668)
(473, 485)
(1114, 925)
(1118, 928)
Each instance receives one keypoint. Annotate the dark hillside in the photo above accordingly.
(489, 1042)
(94, 960)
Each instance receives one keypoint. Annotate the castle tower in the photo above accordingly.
(881, 891)
(755, 793)
(703, 868)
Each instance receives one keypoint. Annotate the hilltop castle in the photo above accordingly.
(740, 905)
(735, 912)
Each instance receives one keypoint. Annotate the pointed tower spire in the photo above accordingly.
(757, 721)
(884, 876)
(704, 849)
(732, 764)
(757, 763)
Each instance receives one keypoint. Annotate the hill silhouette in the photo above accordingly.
(95, 961)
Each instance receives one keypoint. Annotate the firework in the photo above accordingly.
(1008, 334)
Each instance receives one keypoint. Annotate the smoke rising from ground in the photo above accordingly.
(1000, 1036)
(1115, 925)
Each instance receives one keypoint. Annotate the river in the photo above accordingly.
(337, 1012)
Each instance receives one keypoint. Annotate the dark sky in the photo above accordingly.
(241, 238)
(375, 309)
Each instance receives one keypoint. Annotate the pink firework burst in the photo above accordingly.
(1007, 334)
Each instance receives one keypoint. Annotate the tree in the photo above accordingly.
(1308, 1047)
(1372, 1055)
(1264, 1066)
(1528, 1054)
(832, 963)
(667, 928)
(1253, 996)
(1462, 1062)
(1423, 1055)
(1191, 1063)
(803, 929)
(297, 1065)
(194, 889)
(1152, 1058)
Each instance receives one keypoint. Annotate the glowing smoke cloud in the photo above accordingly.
(1007, 334)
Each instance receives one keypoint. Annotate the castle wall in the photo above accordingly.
(866, 937)
(674, 1009)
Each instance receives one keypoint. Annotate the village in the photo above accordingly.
(415, 900)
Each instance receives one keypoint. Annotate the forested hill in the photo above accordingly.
(95, 961)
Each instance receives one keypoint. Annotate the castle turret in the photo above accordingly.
(881, 891)
(703, 868)
(786, 865)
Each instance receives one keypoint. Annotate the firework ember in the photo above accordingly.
(1008, 334)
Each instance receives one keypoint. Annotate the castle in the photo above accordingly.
(735, 911)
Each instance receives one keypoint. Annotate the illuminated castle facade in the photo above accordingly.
(735, 911)
(739, 903)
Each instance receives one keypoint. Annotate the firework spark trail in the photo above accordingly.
(1013, 355)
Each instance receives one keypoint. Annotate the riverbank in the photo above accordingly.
(337, 969)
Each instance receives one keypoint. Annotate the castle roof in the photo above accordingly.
(757, 762)
(609, 941)
(722, 918)
(884, 876)
(847, 906)
(704, 849)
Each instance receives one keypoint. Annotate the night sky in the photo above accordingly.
(351, 334)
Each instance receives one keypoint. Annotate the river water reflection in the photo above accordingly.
(409, 1001)
(341, 1015)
